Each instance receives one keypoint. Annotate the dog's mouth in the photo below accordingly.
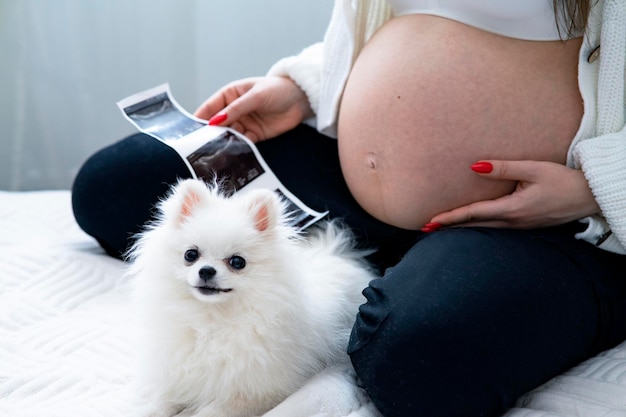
(207, 290)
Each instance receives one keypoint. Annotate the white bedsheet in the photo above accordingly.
(65, 343)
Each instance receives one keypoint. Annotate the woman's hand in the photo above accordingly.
(260, 107)
(547, 194)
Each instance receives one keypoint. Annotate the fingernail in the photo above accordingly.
(217, 119)
(431, 227)
(482, 167)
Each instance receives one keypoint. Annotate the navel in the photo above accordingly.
(371, 160)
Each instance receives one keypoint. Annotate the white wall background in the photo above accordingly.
(65, 63)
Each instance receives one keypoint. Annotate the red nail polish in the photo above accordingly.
(217, 119)
(482, 167)
(431, 227)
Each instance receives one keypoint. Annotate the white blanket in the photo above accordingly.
(65, 345)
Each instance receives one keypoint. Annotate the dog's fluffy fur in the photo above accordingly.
(237, 310)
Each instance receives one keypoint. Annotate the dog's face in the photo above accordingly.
(210, 278)
(205, 279)
(221, 247)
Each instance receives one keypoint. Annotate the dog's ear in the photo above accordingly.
(190, 201)
(265, 209)
(185, 198)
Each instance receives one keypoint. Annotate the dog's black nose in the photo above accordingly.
(207, 273)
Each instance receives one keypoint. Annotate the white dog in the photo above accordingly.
(237, 310)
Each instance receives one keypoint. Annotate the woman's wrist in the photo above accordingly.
(304, 70)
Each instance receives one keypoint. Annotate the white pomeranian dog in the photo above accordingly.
(237, 311)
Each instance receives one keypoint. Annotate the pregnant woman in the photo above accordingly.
(479, 145)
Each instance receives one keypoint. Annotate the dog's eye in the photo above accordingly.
(237, 262)
(191, 255)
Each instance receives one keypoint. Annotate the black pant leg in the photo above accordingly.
(115, 191)
(471, 319)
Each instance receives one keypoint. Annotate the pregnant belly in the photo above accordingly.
(428, 97)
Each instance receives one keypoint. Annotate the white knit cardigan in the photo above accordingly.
(599, 147)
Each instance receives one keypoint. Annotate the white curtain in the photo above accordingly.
(65, 63)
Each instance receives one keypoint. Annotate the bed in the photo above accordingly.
(65, 339)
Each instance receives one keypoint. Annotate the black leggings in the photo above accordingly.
(463, 321)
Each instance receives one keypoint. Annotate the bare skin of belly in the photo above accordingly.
(428, 97)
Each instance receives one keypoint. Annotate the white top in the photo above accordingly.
(521, 19)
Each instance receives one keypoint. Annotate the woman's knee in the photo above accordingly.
(116, 188)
